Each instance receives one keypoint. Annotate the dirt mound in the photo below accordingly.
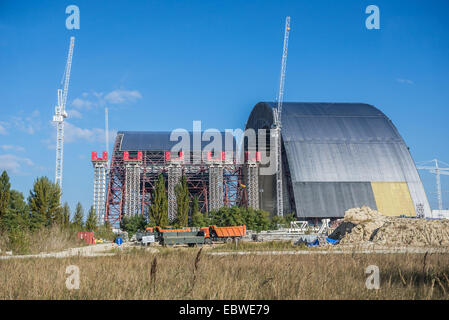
(365, 225)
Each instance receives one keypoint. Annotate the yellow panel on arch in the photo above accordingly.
(393, 198)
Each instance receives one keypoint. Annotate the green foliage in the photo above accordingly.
(78, 217)
(195, 205)
(133, 223)
(105, 232)
(91, 222)
(283, 222)
(19, 241)
(198, 220)
(5, 187)
(16, 215)
(256, 220)
(182, 202)
(159, 207)
(44, 202)
(65, 215)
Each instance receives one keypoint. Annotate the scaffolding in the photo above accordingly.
(252, 160)
(130, 190)
(100, 168)
(216, 180)
(174, 176)
(132, 186)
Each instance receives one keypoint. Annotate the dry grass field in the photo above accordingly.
(188, 274)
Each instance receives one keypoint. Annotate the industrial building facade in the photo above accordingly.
(335, 156)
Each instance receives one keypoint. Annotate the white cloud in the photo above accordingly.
(2, 130)
(13, 163)
(72, 113)
(100, 99)
(122, 96)
(73, 133)
(405, 81)
(29, 124)
(7, 147)
(82, 103)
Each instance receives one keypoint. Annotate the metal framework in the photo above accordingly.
(278, 124)
(252, 178)
(132, 184)
(438, 171)
(215, 182)
(216, 186)
(61, 114)
(174, 176)
(100, 168)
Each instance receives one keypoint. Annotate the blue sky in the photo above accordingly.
(159, 65)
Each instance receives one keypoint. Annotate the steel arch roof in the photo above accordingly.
(331, 146)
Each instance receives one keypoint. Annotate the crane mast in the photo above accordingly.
(61, 114)
(278, 124)
(438, 171)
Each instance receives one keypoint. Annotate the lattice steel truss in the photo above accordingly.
(132, 188)
(174, 176)
(131, 193)
(100, 167)
(216, 195)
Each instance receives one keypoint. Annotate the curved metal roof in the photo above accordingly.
(160, 140)
(331, 146)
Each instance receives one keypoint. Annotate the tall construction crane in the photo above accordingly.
(437, 170)
(61, 114)
(277, 113)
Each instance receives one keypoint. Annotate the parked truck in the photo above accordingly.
(206, 235)
(225, 234)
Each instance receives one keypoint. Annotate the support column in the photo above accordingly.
(215, 186)
(174, 176)
(100, 167)
(132, 184)
(252, 179)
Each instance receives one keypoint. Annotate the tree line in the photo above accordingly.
(41, 209)
(189, 213)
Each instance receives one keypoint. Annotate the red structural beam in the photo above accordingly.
(126, 156)
(94, 156)
(179, 158)
(252, 156)
(220, 158)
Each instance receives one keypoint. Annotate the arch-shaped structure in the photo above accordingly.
(338, 156)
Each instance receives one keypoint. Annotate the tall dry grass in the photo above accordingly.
(188, 274)
(51, 239)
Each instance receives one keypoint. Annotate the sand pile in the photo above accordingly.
(365, 225)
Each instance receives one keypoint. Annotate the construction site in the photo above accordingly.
(317, 191)
(313, 160)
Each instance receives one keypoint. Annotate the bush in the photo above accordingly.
(105, 232)
(132, 224)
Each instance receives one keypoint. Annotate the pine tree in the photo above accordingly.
(5, 187)
(65, 215)
(78, 216)
(182, 202)
(195, 205)
(91, 222)
(158, 209)
(44, 202)
(16, 216)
